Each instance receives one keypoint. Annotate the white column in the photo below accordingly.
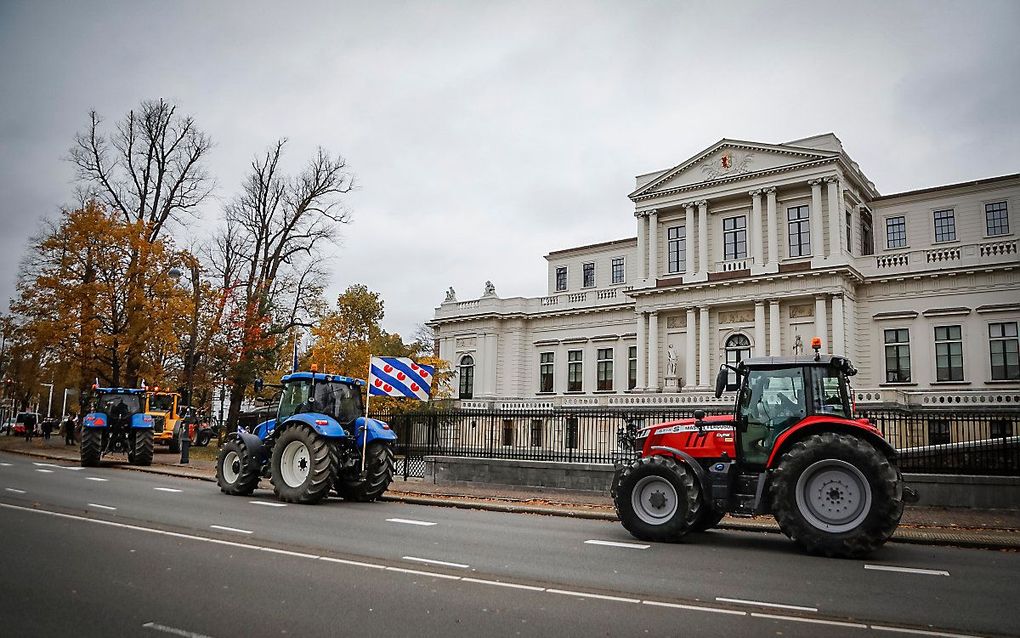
(817, 249)
(772, 221)
(703, 265)
(705, 366)
(774, 330)
(835, 212)
(653, 246)
(759, 329)
(757, 245)
(690, 363)
(850, 312)
(690, 268)
(653, 351)
(838, 326)
(642, 342)
(641, 238)
(491, 346)
(821, 324)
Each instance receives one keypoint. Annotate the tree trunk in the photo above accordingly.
(236, 397)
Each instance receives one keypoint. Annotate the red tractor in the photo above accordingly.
(793, 449)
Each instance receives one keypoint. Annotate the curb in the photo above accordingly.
(995, 540)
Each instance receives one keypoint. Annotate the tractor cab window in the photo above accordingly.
(338, 400)
(828, 393)
(161, 403)
(295, 399)
(770, 402)
(118, 405)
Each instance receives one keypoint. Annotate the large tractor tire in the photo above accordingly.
(707, 519)
(202, 439)
(304, 465)
(91, 446)
(237, 472)
(656, 499)
(836, 495)
(142, 447)
(379, 474)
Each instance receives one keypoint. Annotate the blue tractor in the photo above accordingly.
(117, 423)
(319, 440)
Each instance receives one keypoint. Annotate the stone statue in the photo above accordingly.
(450, 295)
(798, 345)
(490, 290)
(670, 361)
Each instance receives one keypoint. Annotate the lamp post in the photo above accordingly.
(176, 273)
(49, 402)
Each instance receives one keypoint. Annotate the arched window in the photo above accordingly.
(467, 377)
(738, 348)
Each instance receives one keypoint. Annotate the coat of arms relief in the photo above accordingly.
(728, 163)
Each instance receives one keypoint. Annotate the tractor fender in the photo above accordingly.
(141, 421)
(813, 425)
(323, 424)
(684, 457)
(95, 420)
(254, 444)
(377, 431)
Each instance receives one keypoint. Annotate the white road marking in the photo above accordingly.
(173, 630)
(406, 521)
(44, 464)
(617, 544)
(816, 621)
(920, 632)
(435, 562)
(268, 503)
(102, 507)
(355, 563)
(95, 478)
(73, 469)
(714, 610)
(45, 471)
(16, 491)
(908, 570)
(285, 552)
(232, 529)
(167, 489)
(497, 583)
(581, 594)
(5, 464)
(416, 572)
(763, 604)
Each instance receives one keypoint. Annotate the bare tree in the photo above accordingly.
(267, 257)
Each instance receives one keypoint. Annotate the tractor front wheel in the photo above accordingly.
(656, 499)
(237, 474)
(378, 471)
(91, 446)
(142, 448)
(304, 465)
(836, 495)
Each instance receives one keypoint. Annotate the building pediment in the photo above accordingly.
(727, 160)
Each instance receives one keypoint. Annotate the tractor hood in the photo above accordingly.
(716, 422)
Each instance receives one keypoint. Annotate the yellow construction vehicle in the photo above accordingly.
(163, 407)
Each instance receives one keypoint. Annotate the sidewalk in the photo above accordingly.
(988, 529)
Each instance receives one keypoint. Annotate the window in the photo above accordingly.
(897, 356)
(677, 248)
(938, 432)
(631, 367)
(896, 232)
(561, 278)
(575, 370)
(1003, 350)
(738, 348)
(536, 433)
(467, 377)
(588, 275)
(948, 353)
(572, 434)
(1000, 428)
(828, 394)
(945, 225)
(545, 371)
(867, 234)
(996, 219)
(849, 229)
(604, 369)
(799, 225)
(619, 274)
(735, 238)
(508, 432)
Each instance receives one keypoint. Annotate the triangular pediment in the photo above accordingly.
(728, 159)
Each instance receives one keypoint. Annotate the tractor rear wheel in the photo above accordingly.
(142, 448)
(656, 499)
(836, 495)
(304, 465)
(378, 471)
(707, 519)
(91, 446)
(237, 474)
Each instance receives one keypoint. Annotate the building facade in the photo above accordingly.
(750, 249)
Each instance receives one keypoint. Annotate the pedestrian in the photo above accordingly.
(29, 427)
(47, 428)
(69, 425)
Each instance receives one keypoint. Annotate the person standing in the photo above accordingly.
(69, 426)
(29, 427)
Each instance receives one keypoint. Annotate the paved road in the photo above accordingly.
(96, 536)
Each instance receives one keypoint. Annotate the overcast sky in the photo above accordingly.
(486, 134)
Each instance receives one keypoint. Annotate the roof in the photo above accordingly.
(605, 244)
(319, 376)
(935, 189)
(801, 360)
(119, 390)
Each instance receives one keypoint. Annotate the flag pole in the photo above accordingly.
(368, 397)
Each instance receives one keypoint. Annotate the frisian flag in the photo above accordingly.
(399, 377)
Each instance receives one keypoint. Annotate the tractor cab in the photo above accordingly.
(117, 404)
(335, 396)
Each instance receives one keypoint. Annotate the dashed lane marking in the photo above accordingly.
(584, 594)
(232, 529)
(44, 464)
(167, 489)
(5, 465)
(416, 572)
(714, 610)
(44, 470)
(921, 632)
(908, 570)
(817, 621)
(497, 583)
(173, 630)
(95, 478)
(740, 601)
(102, 507)
(407, 521)
(436, 562)
(268, 503)
(16, 491)
(617, 544)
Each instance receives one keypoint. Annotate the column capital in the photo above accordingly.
(702, 202)
(771, 190)
(760, 302)
(815, 182)
(688, 204)
(832, 179)
(755, 193)
(641, 213)
(653, 213)
(822, 296)
(773, 302)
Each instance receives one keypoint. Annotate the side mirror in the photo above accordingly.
(720, 381)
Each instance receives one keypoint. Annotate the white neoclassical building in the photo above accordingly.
(751, 249)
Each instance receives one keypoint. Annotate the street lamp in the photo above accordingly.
(176, 273)
(49, 403)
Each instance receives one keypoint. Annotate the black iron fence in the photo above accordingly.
(929, 441)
